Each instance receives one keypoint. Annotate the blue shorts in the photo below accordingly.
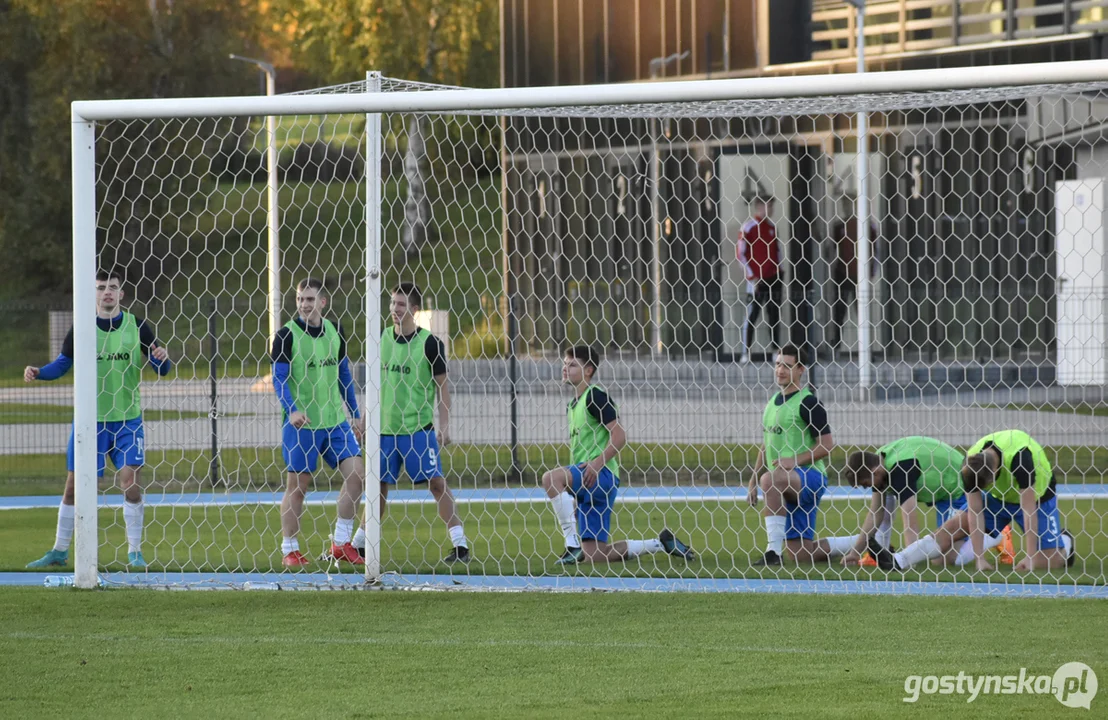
(945, 509)
(999, 513)
(594, 505)
(123, 441)
(418, 453)
(802, 515)
(302, 448)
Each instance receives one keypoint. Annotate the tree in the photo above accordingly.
(54, 53)
(453, 42)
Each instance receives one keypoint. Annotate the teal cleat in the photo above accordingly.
(51, 559)
(136, 560)
(571, 556)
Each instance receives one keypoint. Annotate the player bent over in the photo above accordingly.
(791, 468)
(121, 342)
(1007, 477)
(904, 473)
(312, 379)
(584, 493)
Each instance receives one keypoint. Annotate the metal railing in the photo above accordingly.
(902, 26)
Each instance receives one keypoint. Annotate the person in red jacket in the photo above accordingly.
(760, 256)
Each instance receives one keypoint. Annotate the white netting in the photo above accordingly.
(616, 226)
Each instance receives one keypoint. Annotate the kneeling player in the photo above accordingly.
(583, 494)
(791, 468)
(1007, 477)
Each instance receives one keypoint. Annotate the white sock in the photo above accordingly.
(1067, 545)
(565, 509)
(64, 535)
(643, 547)
(132, 521)
(458, 537)
(289, 545)
(344, 528)
(775, 533)
(923, 549)
(884, 533)
(837, 546)
(359, 539)
(965, 552)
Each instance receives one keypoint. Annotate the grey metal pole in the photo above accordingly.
(861, 216)
(656, 66)
(213, 406)
(272, 210)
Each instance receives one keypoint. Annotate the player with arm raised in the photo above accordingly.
(413, 377)
(121, 342)
(583, 494)
(791, 468)
(312, 379)
(1007, 477)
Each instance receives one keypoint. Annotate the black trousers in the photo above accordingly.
(767, 293)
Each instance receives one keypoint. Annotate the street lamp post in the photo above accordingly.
(656, 66)
(861, 215)
(274, 254)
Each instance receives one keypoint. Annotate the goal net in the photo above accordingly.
(685, 232)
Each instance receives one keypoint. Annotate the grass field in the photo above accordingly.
(141, 654)
(506, 539)
(479, 466)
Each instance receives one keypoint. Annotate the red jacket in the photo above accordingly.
(758, 250)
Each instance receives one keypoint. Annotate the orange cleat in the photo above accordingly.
(867, 560)
(295, 559)
(347, 552)
(1005, 549)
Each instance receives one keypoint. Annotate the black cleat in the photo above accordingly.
(882, 555)
(675, 547)
(459, 554)
(769, 559)
(571, 556)
(361, 551)
(1073, 549)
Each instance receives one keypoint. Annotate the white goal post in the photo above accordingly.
(760, 97)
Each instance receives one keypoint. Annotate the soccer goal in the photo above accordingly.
(730, 265)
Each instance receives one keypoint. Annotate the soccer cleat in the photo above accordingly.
(52, 558)
(868, 560)
(295, 559)
(675, 547)
(135, 559)
(769, 559)
(348, 553)
(881, 555)
(1005, 549)
(1073, 549)
(571, 556)
(460, 554)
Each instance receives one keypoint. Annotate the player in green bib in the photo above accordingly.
(315, 387)
(121, 342)
(584, 493)
(791, 468)
(413, 381)
(905, 473)
(1007, 477)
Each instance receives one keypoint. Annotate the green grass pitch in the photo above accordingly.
(143, 654)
